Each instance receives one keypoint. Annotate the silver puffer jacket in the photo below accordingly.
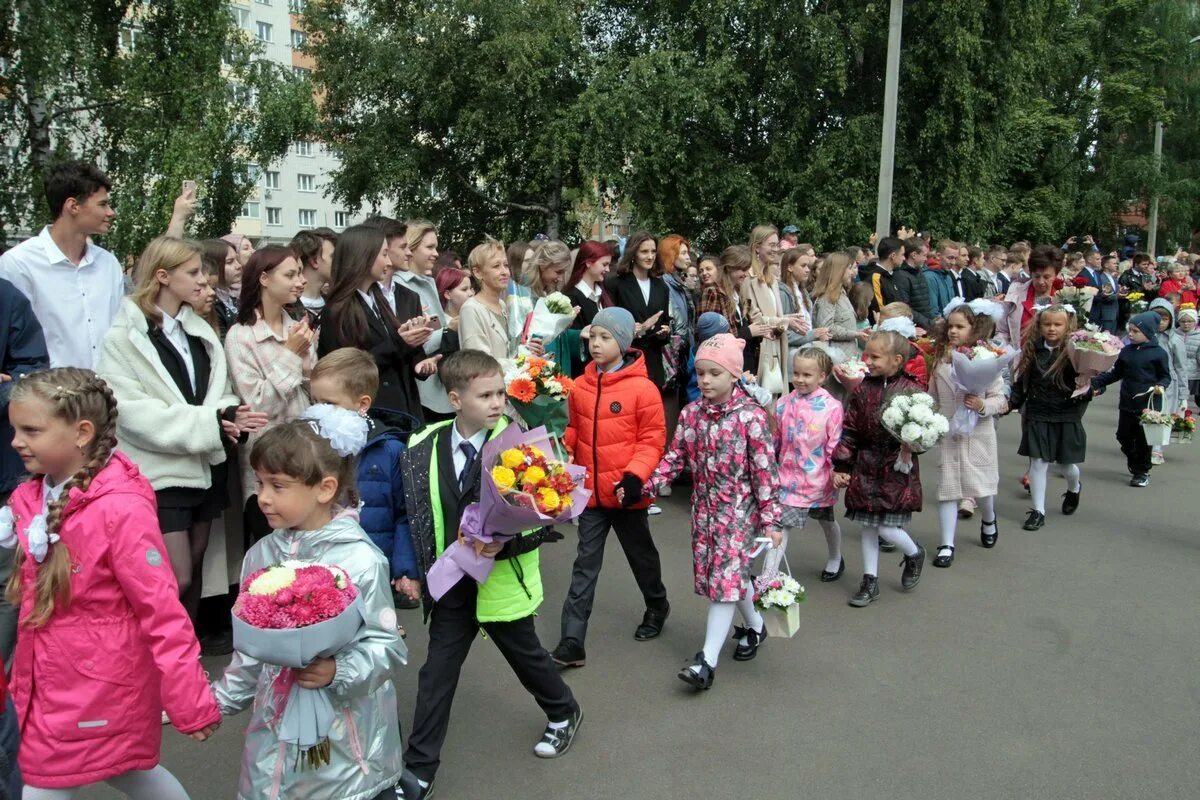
(365, 738)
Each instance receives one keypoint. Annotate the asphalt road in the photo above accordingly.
(1061, 664)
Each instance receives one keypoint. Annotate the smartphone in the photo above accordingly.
(189, 186)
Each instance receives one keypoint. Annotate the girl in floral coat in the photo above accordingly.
(724, 439)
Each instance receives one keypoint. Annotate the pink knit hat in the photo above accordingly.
(724, 350)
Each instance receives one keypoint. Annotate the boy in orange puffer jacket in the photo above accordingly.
(618, 431)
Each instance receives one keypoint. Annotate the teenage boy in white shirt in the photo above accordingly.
(74, 285)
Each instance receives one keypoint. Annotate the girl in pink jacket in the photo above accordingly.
(104, 645)
(808, 429)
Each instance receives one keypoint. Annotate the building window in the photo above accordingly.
(303, 73)
(263, 2)
(250, 210)
(299, 38)
(241, 17)
(253, 173)
(308, 217)
(271, 179)
(274, 216)
(306, 183)
(265, 32)
(341, 219)
(304, 148)
(297, 6)
(129, 38)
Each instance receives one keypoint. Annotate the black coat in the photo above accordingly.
(1044, 399)
(628, 295)
(913, 289)
(1138, 367)
(22, 351)
(972, 286)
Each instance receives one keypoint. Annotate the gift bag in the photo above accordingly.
(1157, 434)
(772, 377)
(779, 622)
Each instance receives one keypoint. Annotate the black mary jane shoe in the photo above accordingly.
(1034, 521)
(829, 577)
(988, 540)
(699, 675)
(754, 640)
(945, 556)
(1071, 502)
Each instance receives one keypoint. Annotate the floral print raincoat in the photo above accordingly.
(728, 448)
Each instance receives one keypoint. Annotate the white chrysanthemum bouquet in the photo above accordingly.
(911, 418)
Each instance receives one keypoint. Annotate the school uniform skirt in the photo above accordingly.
(1057, 442)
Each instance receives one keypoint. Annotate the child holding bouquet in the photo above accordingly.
(967, 458)
(1144, 371)
(104, 642)
(1052, 425)
(880, 496)
(807, 431)
(442, 474)
(305, 488)
(725, 440)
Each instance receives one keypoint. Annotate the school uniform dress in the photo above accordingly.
(1052, 427)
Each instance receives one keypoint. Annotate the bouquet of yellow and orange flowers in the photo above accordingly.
(526, 476)
(538, 391)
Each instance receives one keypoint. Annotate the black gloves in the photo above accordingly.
(632, 485)
(520, 545)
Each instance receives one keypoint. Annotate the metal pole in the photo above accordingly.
(887, 149)
(1152, 235)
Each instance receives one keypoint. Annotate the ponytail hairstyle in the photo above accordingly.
(72, 395)
(296, 450)
(1034, 343)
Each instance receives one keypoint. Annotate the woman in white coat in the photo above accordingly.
(167, 370)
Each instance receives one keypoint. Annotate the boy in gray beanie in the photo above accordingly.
(619, 323)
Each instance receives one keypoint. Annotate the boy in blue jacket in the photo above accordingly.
(348, 378)
(1143, 368)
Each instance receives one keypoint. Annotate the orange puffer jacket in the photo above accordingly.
(617, 426)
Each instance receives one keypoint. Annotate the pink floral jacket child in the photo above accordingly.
(809, 427)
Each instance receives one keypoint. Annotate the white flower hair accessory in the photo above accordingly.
(8, 531)
(345, 430)
(953, 304)
(39, 538)
(901, 325)
(988, 308)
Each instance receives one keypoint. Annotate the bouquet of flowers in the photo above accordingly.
(911, 418)
(288, 615)
(974, 368)
(1183, 426)
(1078, 297)
(1137, 302)
(850, 373)
(1091, 351)
(777, 597)
(521, 488)
(551, 315)
(538, 390)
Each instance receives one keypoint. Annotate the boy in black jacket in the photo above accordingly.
(1142, 369)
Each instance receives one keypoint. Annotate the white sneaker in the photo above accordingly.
(1157, 458)
(665, 491)
(653, 510)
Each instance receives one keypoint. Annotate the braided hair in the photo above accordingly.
(72, 395)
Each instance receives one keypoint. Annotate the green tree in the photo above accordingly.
(189, 100)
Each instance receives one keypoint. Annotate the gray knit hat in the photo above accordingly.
(619, 323)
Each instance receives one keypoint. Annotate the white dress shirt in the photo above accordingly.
(460, 458)
(593, 293)
(76, 305)
(389, 294)
(172, 328)
(370, 301)
(644, 285)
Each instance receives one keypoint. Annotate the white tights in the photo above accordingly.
(870, 545)
(148, 784)
(1038, 470)
(720, 620)
(948, 514)
(833, 541)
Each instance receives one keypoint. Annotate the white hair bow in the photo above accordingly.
(345, 430)
(39, 538)
(988, 308)
(953, 304)
(901, 325)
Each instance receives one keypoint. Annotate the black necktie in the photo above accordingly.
(470, 452)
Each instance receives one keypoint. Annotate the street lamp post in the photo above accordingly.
(887, 149)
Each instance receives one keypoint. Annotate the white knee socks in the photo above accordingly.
(900, 538)
(833, 541)
(149, 784)
(720, 621)
(1074, 478)
(1038, 470)
(948, 516)
(897, 536)
(987, 513)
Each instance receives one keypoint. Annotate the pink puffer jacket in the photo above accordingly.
(90, 685)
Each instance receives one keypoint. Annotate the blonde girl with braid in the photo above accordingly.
(103, 644)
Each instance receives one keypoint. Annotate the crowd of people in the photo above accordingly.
(129, 401)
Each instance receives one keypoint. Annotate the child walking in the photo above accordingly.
(1143, 370)
(104, 643)
(617, 431)
(879, 497)
(1052, 425)
(1191, 348)
(967, 461)
(305, 488)
(1175, 397)
(808, 428)
(724, 439)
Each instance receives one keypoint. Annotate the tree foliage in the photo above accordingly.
(189, 101)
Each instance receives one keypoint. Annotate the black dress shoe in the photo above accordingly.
(828, 577)
(217, 644)
(885, 546)
(409, 788)
(944, 557)
(1034, 521)
(912, 568)
(754, 640)
(698, 675)
(1071, 501)
(652, 623)
(569, 653)
(989, 539)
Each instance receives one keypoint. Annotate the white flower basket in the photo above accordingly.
(782, 622)
(1157, 435)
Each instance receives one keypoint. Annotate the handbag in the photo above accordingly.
(1157, 435)
(772, 377)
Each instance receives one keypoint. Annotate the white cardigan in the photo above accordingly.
(172, 442)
